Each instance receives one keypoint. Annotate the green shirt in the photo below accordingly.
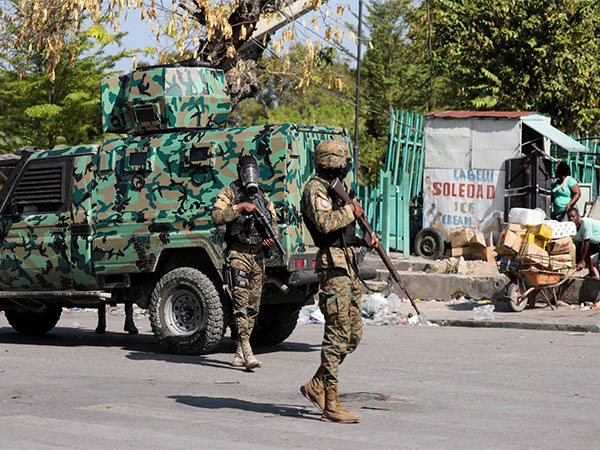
(562, 197)
(589, 230)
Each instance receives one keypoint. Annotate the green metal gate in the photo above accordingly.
(584, 166)
(396, 201)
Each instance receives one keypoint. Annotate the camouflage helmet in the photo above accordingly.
(332, 154)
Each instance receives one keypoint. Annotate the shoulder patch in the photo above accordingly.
(324, 203)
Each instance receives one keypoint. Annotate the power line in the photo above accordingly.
(335, 95)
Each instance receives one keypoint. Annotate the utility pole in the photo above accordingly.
(356, 113)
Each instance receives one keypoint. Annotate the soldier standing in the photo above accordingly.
(237, 206)
(332, 227)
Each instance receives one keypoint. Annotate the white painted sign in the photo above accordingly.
(457, 198)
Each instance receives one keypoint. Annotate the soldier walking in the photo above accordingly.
(332, 225)
(237, 206)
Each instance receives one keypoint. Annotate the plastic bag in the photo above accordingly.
(485, 312)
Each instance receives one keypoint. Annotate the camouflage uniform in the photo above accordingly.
(339, 296)
(332, 226)
(249, 259)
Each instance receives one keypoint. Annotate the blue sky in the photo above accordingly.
(140, 35)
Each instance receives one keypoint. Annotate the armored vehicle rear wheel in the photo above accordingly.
(30, 322)
(186, 313)
(272, 329)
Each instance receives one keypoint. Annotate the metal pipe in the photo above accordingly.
(357, 111)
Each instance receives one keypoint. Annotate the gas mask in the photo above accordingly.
(330, 173)
(248, 174)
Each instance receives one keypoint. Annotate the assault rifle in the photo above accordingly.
(338, 187)
(269, 229)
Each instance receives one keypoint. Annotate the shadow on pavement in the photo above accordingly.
(73, 337)
(226, 347)
(142, 347)
(234, 403)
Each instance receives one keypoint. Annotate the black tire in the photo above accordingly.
(512, 293)
(29, 322)
(272, 330)
(186, 313)
(429, 243)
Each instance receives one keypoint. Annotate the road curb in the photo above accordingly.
(517, 325)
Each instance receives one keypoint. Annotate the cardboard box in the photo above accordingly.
(531, 253)
(484, 254)
(461, 237)
(478, 241)
(509, 243)
(531, 238)
(465, 252)
(561, 246)
(563, 261)
(541, 231)
(517, 228)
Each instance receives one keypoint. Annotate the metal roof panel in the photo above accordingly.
(537, 123)
(482, 114)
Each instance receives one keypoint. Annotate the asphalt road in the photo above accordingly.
(417, 387)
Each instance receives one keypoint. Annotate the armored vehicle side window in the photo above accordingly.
(44, 187)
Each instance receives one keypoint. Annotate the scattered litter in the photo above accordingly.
(577, 333)
(317, 317)
(485, 312)
(419, 321)
(74, 309)
(75, 325)
(595, 328)
(310, 314)
(376, 313)
(380, 310)
(457, 301)
(561, 303)
(584, 307)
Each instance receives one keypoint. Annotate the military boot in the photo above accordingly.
(335, 412)
(238, 359)
(249, 359)
(129, 323)
(314, 391)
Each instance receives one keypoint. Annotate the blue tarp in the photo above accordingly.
(539, 123)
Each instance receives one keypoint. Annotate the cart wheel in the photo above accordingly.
(512, 294)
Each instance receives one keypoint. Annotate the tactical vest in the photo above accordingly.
(344, 237)
(246, 229)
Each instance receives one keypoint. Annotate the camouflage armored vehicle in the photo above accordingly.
(129, 220)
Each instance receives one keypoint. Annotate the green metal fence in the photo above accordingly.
(584, 166)
(395, 202)
(386, 208)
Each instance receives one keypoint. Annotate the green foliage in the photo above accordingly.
(530, 55)
(36, 111)
(283, 99)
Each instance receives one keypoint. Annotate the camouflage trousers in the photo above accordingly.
(340, 302)
(248, 271)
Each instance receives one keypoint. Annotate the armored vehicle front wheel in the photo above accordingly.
(272, 329)
(186, 313)
(30, 322)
